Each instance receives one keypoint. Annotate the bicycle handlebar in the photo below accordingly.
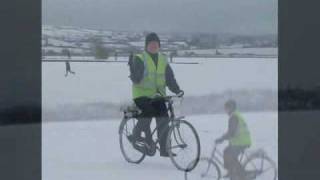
(173, 96)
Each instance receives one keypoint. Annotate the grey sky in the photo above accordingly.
(217, 16)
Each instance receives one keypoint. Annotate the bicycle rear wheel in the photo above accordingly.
(206, 169)
(183, 145)
(130, 154)
(260, 166)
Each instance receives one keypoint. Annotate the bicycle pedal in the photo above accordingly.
(140, 147)
(150, 149)
(151, 152)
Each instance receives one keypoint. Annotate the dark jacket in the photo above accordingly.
(68, 65)
(232, 128)
(137, 69)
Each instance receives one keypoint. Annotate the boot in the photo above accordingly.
(166, 154)
(138, 143)
(151, 148)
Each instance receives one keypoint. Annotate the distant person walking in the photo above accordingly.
(68, 54)
(68, 69)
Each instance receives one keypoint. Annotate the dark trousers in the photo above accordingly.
(152, 108)
(230, 157)
(69, 70)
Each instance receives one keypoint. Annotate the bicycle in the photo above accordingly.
(254, 166)
(177, 145)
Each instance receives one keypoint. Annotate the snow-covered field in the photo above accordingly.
(109, 82)
(257, 51)
(90, 150)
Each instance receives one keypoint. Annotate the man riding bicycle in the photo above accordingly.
(150, 74)
(239, 139)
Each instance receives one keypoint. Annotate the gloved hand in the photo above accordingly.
(218, 141)
(180, 93)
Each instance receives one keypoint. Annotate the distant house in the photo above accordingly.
(138, 44)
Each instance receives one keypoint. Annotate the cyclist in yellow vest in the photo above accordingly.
(239, 139)
(151, 74)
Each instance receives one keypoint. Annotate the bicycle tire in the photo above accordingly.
(173, 129)
(263, 157)
(122, 136)
(188, 175)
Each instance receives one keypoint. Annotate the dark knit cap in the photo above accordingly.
(231, 104)
(152, 37)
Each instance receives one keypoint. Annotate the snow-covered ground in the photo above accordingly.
(256, 51)
(90, 150)
(60, 49)
(109, 82)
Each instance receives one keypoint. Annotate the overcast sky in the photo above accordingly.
(216, 16)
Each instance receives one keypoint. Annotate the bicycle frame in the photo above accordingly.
(172, 120)
(171, 135)
(217, 156)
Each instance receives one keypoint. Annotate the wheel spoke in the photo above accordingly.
(206, 169)
(185, 154)
(264, 164)
(127, 149)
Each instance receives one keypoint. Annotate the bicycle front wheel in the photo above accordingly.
(130, 154)
(183, 145)
(205, 170)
